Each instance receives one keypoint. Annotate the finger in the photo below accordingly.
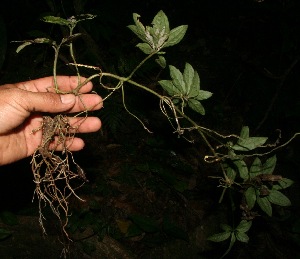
(87, 102)
(85, 124)
(64, 83)
(72, 144)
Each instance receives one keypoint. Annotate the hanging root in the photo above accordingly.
(56, 177)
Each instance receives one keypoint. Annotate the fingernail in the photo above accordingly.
(67, 98)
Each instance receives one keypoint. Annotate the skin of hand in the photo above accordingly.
(22, 106)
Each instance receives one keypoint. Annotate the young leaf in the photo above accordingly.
(265, 205)
(161, 23)
(161, 61)
(196, 106)
(250, 196)
(159, 30)
(177, 79)
(219, 237)
(175, 36)
(138, 29)
(278, 198)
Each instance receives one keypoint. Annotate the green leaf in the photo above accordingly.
(247, 144)
(242, 168)
(146, 224)
(244, 132)
(244, 226)
(231, 173)
(265, 205)
(169, 87)
(195, 87)
(160, 22)
(226, 228)
(160, 29)
(138, 29)
(196, 106)
(145, 47)
(255, 168)
(56, 20)
(282, 184)
(203, 95)
(175, 36)
(161, 61)
(188, 76)
(242, 237)
(219, 237)
(278, 198)
(177, 79)
(269, 166)
(4, 233)
(250, 196)
(42, 40)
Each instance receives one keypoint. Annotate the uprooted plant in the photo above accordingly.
(54, 173)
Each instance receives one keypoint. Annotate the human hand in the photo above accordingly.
(21, 108)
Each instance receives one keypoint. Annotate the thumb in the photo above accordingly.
(50, 102)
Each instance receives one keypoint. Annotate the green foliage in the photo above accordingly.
(184, 88)
(238, 233)
(158, 35)
(246, 143)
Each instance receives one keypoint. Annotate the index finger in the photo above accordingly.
(65, 84)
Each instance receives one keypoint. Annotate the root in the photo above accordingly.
(56, 177)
